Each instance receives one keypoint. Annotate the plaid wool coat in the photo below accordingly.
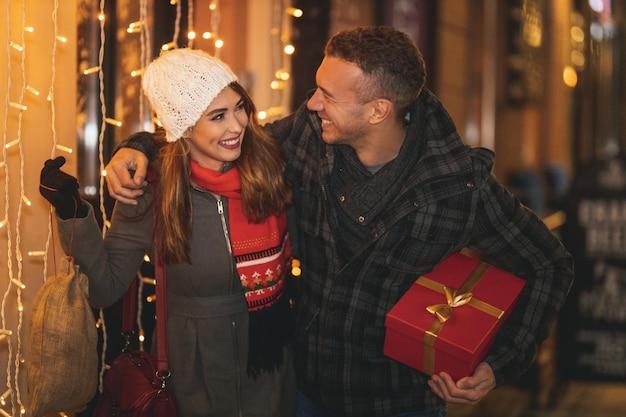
(439, 197)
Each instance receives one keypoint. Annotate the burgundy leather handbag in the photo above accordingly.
(135, 384)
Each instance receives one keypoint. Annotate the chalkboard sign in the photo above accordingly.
(592, 328)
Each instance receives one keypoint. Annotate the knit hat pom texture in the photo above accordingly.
(181, 84)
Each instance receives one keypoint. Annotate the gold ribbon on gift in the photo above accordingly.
(442, 312)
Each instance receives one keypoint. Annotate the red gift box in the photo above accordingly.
(448, 319)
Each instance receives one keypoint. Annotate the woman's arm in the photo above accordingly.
(110, 264)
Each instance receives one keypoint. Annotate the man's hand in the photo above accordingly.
(469, 390)
(126, 174)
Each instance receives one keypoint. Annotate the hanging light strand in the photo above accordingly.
(18, 241)
(177, 24)
(145, 55)
(103, 110)
(191, 33)
(216, 17)
(140, 285)
(281, 51)
(103, 125)
(6, 225)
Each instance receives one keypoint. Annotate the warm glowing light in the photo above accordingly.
(212, 6)
(18, 283)
(101, 17)
(577, 58)
(136, 73)
(64, 148)
(18, 106)
(29, 29)
(16, 46)
(3, 223)
(32, 90)
(61, 38)
(36, 253)
(289, 49)
(219, 43)
(91, 70)
(207, 35)
(191, 34)
(295, 268)
(293, 11)
(282, 74)
(26, 200)
(12, 143)
(570, 77)
(168, 46)
(135, 27)
(577, 34)
(271, 112)
(113, 122)
(4, 396)
(277, 85)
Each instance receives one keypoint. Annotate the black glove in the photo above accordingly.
(61, 190)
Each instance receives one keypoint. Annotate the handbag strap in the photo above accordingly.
(129, 303)
(161, 311)
(128, 311)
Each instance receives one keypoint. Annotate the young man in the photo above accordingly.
(384, 189)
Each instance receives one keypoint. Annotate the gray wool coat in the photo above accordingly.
(207, 311)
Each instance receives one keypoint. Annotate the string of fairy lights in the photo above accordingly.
(11, 226)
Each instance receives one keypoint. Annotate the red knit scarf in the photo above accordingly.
(262, 250)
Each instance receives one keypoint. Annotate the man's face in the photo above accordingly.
(344, 119)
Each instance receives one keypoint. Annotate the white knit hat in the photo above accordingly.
(181, 84)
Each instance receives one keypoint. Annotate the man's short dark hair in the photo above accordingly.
(391, 61)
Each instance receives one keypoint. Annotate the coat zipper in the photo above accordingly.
(220, 211)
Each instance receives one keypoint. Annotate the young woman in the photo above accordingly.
(219, 198)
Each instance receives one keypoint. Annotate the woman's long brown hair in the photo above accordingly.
(264, 190)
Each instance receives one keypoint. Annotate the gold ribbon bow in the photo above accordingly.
(444, 311)
(455, 298)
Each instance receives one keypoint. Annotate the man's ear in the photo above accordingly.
(381, 110)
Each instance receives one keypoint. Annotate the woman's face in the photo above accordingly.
(217, 136)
